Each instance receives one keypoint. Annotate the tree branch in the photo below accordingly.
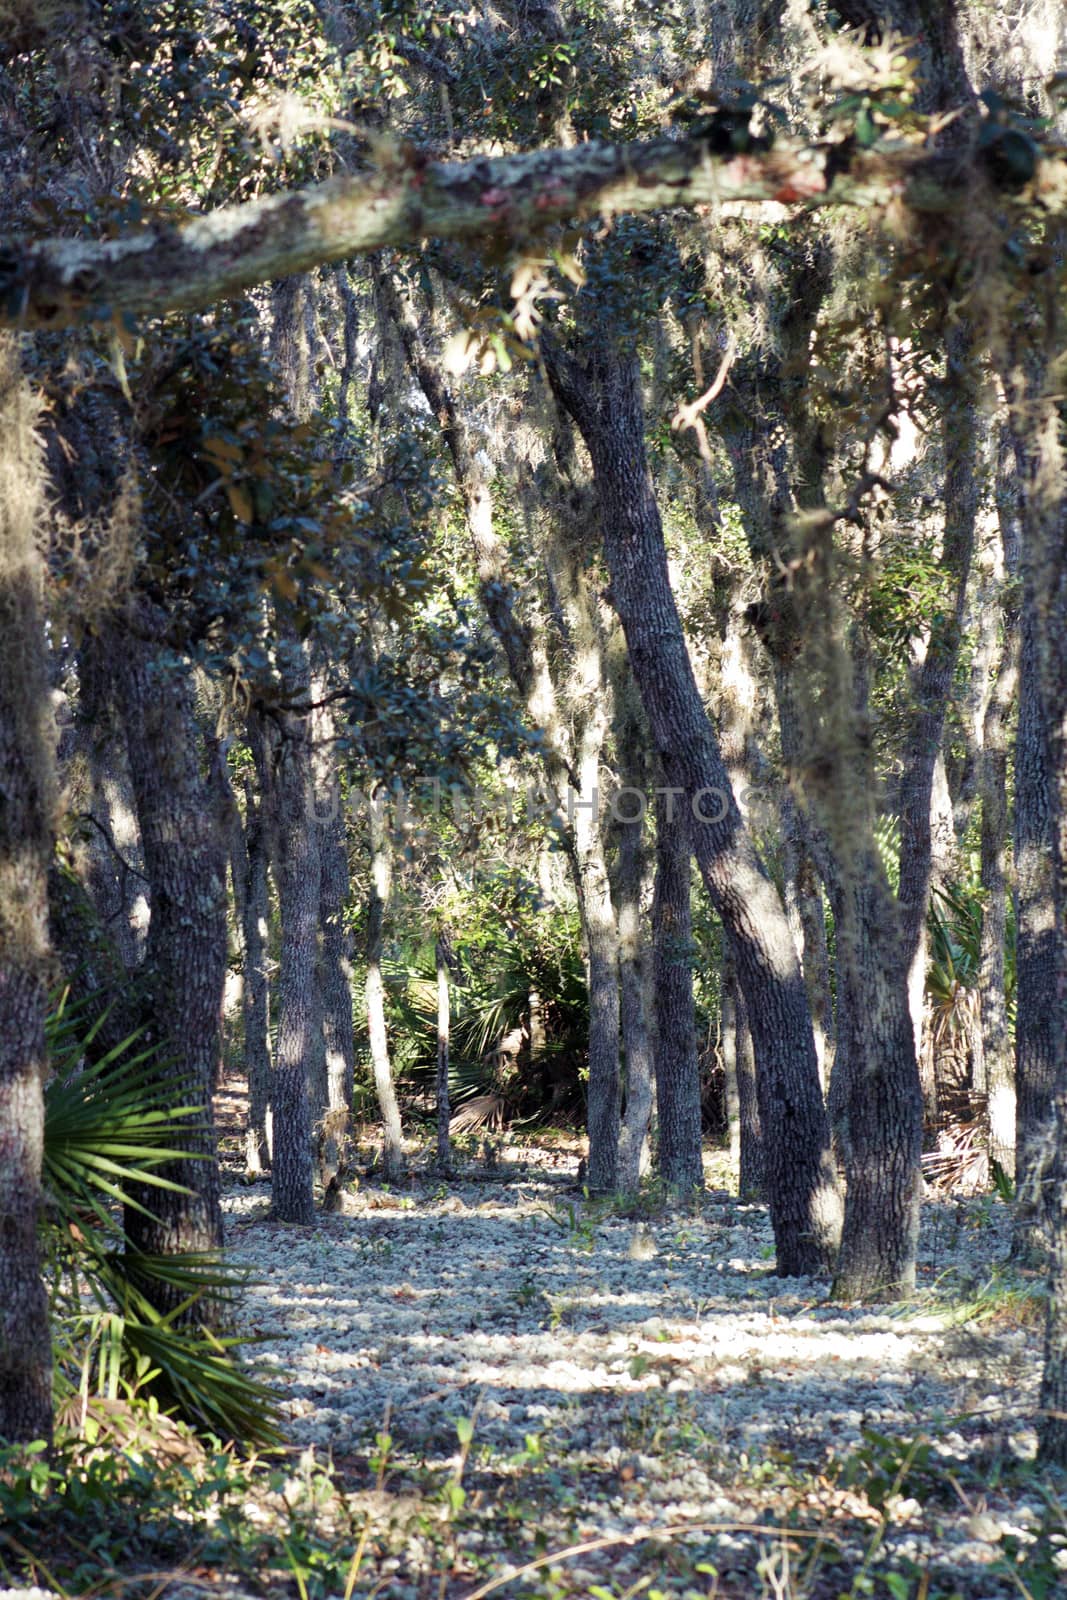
(59, 282)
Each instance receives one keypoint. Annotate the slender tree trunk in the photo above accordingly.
(255, 922)
(27, 801)
(444, 1149)
(633, 1004)
(335, 948)
(185, 955)
(993, 788)
(1035, 931)
(740, 1063)
(381, 876)
(933, 685)
(678, 1110)
(604, 399)
(299, 1025)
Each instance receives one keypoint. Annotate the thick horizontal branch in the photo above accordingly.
(58, 282)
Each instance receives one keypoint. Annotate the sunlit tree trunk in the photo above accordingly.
(381, 888)
(441, 957)
(633, 1001)
(335, 946)
(27, 801)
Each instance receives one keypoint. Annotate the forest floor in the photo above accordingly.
(526, 1393)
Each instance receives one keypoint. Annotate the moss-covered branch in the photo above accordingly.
(58, 282)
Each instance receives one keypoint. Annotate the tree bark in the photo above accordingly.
(335, 942)
(739, 1061)
(633, 1003)
(27, 801)
(441, 956)
(678, 1110)
(148, 271)
(602, 394)
(1045, 603)
(381, 885)
(993, 789)
(255, 922)
(185, 954)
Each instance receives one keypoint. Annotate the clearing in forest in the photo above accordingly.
(548, 1373)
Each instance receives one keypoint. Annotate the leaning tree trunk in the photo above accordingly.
(185, 954)
(27, 800)
(381, 885)
(678, 1109)
(603, 396)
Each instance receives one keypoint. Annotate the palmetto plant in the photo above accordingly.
(108, 1131)
(491, 1017)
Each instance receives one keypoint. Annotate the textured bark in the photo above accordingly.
(115, 877)
(381, 886)
(603, 396)
(252, 864)
(185, 954)
(678, 1111)
(633, 1005)
(441, 956)
(299, 1024)
(335, 941)
(993, 788)
(151, 270)
(1035, 919)
(27, 799)
(1045, 600)
(739, 1059)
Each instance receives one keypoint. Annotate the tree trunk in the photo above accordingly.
(993, 789)
(335, 946)
(603, 396)
(444, 1149)
(739, 1061)
(678, 1111)
(115, 877)
(27, 801)
(185, 954)
(1035, 930)
(1045, 603)
(381, 885)
(633, 1005)
(255, 923)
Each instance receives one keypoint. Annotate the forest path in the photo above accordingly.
(625, 1374)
